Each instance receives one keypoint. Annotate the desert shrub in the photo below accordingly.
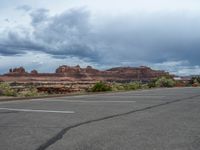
(101, 87)
(30, 92)
(133, 86)
(195, 81)
(165, 82)
(6, 90)
(117, 87)
(152, 83)
(127, 86)
(196, 84)
(145, 86)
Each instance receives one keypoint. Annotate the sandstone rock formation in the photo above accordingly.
(76, 69)
(142, 73)
(19, 70)
(68, 70)
(76, 73)
(34, 72)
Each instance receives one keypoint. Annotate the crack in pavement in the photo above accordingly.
(60, 134)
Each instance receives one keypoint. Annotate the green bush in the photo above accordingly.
(133, 86)
(117, 87)
(31, 92)
(128, 86)
(6, 90)
(165, 82)
(162, 82)
(195, 81)
(101, 87)
(145, 86)
(152, 83)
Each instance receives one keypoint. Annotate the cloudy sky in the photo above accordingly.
(43, 34)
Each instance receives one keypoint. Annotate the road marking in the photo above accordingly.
(20, 101)
(91, 101)
(63, 100)
(115, 96)
(42, 111)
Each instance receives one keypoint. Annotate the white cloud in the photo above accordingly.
(40, 61)
(181, 68)
(110, 33)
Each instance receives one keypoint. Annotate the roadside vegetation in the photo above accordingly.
(7, 90)
(30, 92)
(162, 82)
(195, 81)
(101, 87)
(126, 86)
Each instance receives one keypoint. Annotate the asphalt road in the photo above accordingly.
(158, 119)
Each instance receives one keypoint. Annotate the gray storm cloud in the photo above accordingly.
(24, 7)
(61, 35)
(152, 38)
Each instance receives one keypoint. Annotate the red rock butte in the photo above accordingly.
(76, 73)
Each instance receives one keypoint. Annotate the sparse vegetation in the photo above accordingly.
(162, 82)
(126, 86)
(6, 90)
(117, 87)
(157, 82)
(195, 81)
(152, 83)
(133, 86)
(101, 87)
(30, 92)
(165, 82)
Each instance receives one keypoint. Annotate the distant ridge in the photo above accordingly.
(76, 73)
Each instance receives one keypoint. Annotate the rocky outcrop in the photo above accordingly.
(19, 70)
(91, 70)
(142, 73)
(76, 73)
(68, 70)
(76, 69)
(34, 72)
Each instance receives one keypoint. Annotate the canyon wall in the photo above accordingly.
(76, 73)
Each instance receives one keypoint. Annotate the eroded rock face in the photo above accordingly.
(74, 70)
(35, 72)
(91, 70)
(141, 73)
(64, 69)
(19, 70)
(76, 73)
(114, 74)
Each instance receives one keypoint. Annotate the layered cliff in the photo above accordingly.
(76, 73)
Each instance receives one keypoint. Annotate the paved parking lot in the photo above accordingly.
(167, 119)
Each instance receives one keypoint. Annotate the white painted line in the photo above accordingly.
(91, 101)
(119, 96)
(42, 111)
(20, 101)
(62, 100)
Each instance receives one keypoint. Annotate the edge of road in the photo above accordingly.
(4, 99)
